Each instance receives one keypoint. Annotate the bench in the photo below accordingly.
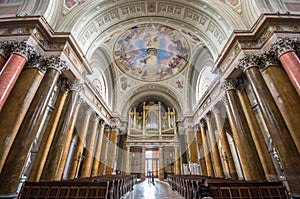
(187, 186)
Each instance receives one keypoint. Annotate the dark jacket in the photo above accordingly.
(204, 191)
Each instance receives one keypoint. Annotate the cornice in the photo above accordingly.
(265, 27)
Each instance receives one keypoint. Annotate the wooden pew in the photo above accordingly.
(111, 186)
(187, 186)
(67, 190)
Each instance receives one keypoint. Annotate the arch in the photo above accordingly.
(160, 94)
(102, 72)
(205, 78)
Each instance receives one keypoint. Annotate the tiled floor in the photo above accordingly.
(145, 190)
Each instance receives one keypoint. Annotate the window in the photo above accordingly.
(206, 77)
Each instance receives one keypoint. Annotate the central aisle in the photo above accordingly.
(145, 190)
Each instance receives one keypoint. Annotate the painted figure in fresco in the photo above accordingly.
(151, 52)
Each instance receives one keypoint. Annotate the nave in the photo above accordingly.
(146, 190)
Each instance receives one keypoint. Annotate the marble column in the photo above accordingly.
(242, 136)
(112, 150)
(281, 137)
(88, 161)
(161, 163)
(208, 160)
(12, 69)
(225, 144)
(144, 118)
(177, 161)
(31, 125)
(257, 135)
(285, 49)
(46, 141)
(284, 94)
(18, 103)
(143, 160)
(97, 156)
(59, 150)
(197, 151)
(103, 158)
(126, 170)
(201, 150)
(214, 147)
(81, 141)
(192, 147)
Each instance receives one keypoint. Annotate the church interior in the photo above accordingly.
(96, 96)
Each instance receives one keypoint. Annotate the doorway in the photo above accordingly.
(151, 162)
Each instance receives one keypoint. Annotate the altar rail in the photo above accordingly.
(187, 186)
(100, 187)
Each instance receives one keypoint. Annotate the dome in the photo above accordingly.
(151, 52)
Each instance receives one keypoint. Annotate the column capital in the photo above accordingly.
(102, 123)
(207, 117)
(229, 84)
(249, 61)
(23, 49)
(215, 109)
(89, 111)
(75, 85)
(240, 84)
(63, 85)
(269, 58)
(297, 45)
(56, 63)
(96, 117)
(202, 123)
(225, 100)
(5, 47)
(196, 128)
(37, 61)
(283, 45)
(79, 101)
(107, 128)
(114, 128)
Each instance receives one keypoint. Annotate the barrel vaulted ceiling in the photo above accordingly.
(119, 38)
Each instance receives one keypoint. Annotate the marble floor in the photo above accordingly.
(145, 190)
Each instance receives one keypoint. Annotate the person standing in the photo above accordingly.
(204, 190)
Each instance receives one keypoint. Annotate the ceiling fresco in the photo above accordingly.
(151, 52)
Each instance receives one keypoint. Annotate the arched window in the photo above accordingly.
(99, 83)
(205, 78)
